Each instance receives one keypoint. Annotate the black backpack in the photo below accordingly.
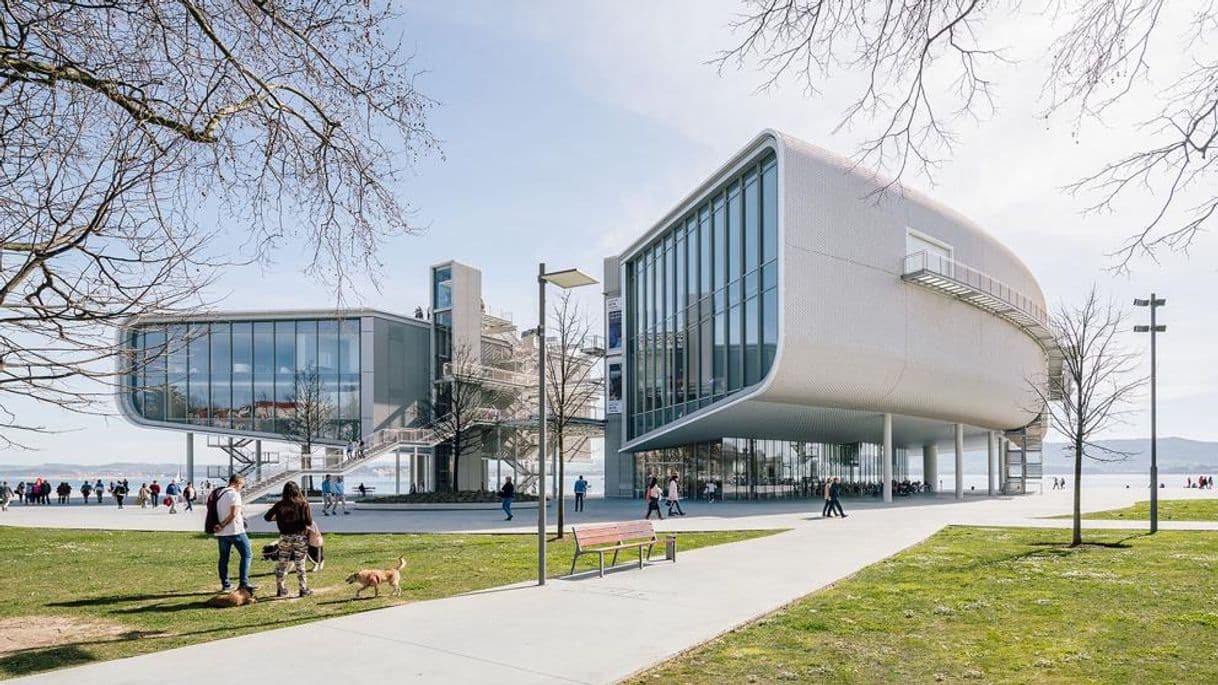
(213, 516)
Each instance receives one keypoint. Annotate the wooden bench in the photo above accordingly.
(615, 537)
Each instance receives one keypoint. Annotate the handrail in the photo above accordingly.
(481, 372)
(967, 275)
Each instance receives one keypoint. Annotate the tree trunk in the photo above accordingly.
(456, 463)
(562, 493)
(1078, 491)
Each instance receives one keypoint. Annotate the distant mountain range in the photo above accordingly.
(1175, 455)
(72, 472)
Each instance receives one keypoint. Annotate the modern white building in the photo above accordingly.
(794, 319)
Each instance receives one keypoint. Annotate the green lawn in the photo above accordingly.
(991, 605)
(1169, 510)
(69, 597)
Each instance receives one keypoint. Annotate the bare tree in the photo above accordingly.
(312, 413)
(131, 130)
(571, 381)
(1099, 380)
(926, 70)
(460, 412)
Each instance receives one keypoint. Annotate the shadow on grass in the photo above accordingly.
(1056, 549)
(122, 599)
(37, 660)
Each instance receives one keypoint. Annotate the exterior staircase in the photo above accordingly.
(1024, 467)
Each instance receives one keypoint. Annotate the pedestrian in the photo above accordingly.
(360, 448)
(171, 493)
(99, 490)
(653, 498)
(119, 491)
(85, 490)
(674, 495)
(64, 491)
(327, 495)
(363, 491)
(581, 490)
(507, 493)
(21, 492)
(188, 496)
(155, 491)
(827, 510)
(293, 519)
(340, 496)
(835, 493)
(226, 522)
(6, 495)
(143, 495)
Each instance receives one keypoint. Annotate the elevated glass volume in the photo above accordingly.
(242, 375)
(702, 301)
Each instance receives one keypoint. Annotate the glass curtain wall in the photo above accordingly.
(702, 301)
(744, 468)
(241, 375)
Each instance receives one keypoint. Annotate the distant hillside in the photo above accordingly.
(1176, 455)
(73, 471)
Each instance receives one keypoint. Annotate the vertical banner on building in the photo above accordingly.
(613, 325)
(613, 401)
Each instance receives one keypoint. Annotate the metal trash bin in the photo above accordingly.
(670, 548)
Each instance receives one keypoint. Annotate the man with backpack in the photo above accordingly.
(225, 521)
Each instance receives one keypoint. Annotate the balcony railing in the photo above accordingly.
(952, 278)
(969, 283)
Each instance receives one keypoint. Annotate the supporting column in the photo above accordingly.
(1003, 446)
(230, 458)
(190, 457)
(959, 461)
(257, 460)
(886, 467)
(397, 471)
(930, 466)
(990, 457)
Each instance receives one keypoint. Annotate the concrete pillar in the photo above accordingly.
(230, 458)
(930, 466)
(886, 465)
(257, 460)
(959, 461)
(990, 457)
(1002, 464)
(190, 457)
(397, 471)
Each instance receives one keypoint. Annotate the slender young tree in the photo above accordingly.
(461, 409)
(927, 68)
(131, 129)
(1099, 381)
(572, 383)
(312, 412)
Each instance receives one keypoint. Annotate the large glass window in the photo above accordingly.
(241, 375)
(700, 293)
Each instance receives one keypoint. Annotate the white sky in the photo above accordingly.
(569, 128)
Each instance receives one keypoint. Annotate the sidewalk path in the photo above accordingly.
(587, 629)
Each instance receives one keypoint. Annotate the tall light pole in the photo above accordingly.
(1154, 303)
(566, 279)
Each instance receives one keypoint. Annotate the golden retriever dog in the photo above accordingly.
(374, 578)
(236, 598)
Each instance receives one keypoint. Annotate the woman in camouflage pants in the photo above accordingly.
(293, 517)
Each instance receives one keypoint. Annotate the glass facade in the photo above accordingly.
(744, 468)
(241, 375)
(702, 301)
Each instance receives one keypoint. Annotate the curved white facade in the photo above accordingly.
(855, 339)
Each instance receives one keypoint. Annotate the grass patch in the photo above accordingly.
(991, 605)
(101, 595)
(1169, 510)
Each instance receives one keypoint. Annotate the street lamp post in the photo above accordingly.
(1154, 303)
(566, 279)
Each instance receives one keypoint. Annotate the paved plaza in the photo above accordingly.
(582, 629)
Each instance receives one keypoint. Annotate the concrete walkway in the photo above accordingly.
(587, 629)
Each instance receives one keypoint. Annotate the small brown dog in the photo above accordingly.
(236, 598)
(374, 578)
